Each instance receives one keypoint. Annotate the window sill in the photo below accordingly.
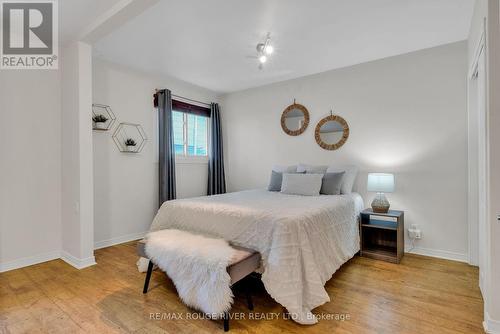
(191, 160)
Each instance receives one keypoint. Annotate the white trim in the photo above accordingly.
(442, 254)
(472, 222)
(191, 160)
(472, 247)
(76, 262)
(477, 52)
(29, 261)
(481, 284)
(118, 240)
(491, 326)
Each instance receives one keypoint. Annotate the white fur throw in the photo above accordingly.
(142, 264)
(197, 266)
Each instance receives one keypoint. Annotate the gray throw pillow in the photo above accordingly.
(311, 169)
(275, 183)
(349, 177)
(332, 183)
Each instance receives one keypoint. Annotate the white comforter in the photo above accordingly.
(303, 239)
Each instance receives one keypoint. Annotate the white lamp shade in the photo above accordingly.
(380, 182)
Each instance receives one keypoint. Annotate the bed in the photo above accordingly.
(303, 240)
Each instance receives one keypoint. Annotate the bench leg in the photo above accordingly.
(226, 321)
(148, 276)
(248, 295)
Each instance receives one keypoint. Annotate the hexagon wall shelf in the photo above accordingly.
(101, 109)
(133, 131)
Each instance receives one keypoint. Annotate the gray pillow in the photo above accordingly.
(332, 183)
(311, 169)
(275, 183)
(349, 177)
(285, 169)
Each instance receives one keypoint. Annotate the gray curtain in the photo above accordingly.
(216, 177)
(166, 146)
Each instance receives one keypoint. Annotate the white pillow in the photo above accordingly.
(311, 169)
(351, 172)
(301, 184)
(285, 169)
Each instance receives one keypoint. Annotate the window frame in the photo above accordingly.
(186, 109)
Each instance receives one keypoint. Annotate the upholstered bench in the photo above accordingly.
(245, 262)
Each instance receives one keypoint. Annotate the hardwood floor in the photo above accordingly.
(420, 295)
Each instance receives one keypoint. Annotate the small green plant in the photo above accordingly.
(130, 142)
(99, 119)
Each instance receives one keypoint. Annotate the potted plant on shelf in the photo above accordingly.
(130, 145)
(100, 122)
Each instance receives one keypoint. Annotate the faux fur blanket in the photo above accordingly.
(197, 266)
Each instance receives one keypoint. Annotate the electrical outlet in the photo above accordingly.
(414, 232)
(411, 233)
(418, 234)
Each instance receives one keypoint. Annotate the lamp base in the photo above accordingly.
(380, 203)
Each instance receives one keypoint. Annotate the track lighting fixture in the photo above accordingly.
(264, 50)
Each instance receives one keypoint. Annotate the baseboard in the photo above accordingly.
(66, 257)
(481, 284)
(491, 326)
(119, 240)
(447, 255)
(90, 261)
(29, 261)
(76, 262)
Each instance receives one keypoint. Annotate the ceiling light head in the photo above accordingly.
(268, 49)
(264, 50)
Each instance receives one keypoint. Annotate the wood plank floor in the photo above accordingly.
(420, 295)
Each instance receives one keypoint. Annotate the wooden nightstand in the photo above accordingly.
(382, 235)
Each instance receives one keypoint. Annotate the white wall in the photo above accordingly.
(126, 185)
(30, 167)
(77, 179)
(407, 115)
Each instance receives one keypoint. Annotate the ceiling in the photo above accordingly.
(212, 43)
(75, 15)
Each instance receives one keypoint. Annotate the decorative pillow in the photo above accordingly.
(285, 169)
(311, 169)
(332, 183)
(301, 184)
(275, 183)
(348, 179)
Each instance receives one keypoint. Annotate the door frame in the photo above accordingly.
(481, 114)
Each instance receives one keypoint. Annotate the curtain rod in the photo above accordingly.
(185, 98)
(188, 99)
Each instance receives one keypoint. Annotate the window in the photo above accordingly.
(190, 132)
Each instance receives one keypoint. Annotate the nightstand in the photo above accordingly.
(382, 235)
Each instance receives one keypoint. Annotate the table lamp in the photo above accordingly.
(380, 183)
